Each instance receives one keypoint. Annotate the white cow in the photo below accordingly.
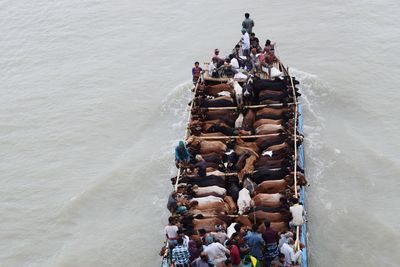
(244, 201)
(238, 91)
(209, 190)
(208, 199)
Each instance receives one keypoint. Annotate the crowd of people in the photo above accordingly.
(214, 221)
(246, 57)
(235, 246)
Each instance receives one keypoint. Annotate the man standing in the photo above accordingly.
(196, 71)
(180, 255)
(255, 242)
(248, 23)
(216, 253)
(171, 232)
(271, 239)
(245, 43)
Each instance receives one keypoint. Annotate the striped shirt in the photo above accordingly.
(180, 255)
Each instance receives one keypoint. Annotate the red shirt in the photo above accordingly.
(196, 72)
(235, 255)
(270, 236)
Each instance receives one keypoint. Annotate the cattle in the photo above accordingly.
(222, 101)
(244, 201)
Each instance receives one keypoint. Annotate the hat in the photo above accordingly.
(216, 50)
(243, 30)
(209, 239)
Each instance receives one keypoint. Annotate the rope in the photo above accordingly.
(187, 129)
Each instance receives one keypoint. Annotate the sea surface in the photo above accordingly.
(93, 101)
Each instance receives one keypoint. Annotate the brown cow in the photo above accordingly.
(261, 216)
(270, 129)
(277, 226)
(252, 145)
(240, 150)
(267, 162)
(206, 147)
(267, 121)
(208, 223)
(244, 221)
(272, 186)
(249, 119)
(268, 200)
(248, 167)
(215, 89)
(276, 111)
(231, 203)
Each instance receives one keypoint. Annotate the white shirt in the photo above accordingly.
(235, 63)
(289, 254)
(211, 68)
(216, 252)
(297, 214)
(171, 231)
(246, 41)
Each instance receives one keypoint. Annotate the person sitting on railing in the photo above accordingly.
(234, 62)
(284, 237)
(228, 69)
(213, 68)
(298, 214)
(269, 47)
(171, 232)
(237, 55)
(220, 61)
(171, 204)
(180, 254)
(290, 257)
(182, 155)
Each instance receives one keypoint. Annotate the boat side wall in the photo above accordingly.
(303, 238)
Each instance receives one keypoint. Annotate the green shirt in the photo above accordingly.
(248, 24)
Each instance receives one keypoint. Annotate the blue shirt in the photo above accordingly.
(180, 255)
(182, 153)
(255, 242)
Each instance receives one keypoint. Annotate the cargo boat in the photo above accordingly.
(262, 127)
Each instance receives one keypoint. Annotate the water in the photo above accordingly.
(93, 101)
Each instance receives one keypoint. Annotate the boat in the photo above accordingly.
(267, 143)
